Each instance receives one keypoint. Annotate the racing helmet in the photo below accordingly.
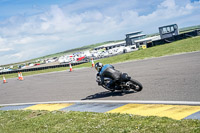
(98, 66)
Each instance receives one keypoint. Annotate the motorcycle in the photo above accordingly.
(123, 84)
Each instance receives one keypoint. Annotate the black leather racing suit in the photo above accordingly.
(108, 71)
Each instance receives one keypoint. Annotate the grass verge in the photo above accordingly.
(57, 121)
(186, 45)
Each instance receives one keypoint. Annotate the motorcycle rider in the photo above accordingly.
(107, 71)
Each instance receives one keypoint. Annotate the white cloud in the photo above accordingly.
(170, 4)
(2, 40)
(35, 39)
(5, 49)
(13, 56)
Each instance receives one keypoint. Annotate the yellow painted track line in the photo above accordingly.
(49, 107)
(177, 112)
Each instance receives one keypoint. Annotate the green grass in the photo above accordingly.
(71, 122)
(186, 45)
(188, 29)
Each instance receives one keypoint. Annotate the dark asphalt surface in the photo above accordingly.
(170, 78)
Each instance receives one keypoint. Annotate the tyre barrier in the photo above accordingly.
(41, 68)
(54, 66)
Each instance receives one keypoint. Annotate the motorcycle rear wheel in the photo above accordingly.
(135, 85)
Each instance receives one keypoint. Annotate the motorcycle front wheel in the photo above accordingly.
(135, 85)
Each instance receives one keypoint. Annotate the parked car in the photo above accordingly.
(130, 48)
(37, 64)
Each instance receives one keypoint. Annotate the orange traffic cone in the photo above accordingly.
(70, 67)
(21, 77)
(92, 63)
(4, 80)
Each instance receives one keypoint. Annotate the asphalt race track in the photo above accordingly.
(169, 78)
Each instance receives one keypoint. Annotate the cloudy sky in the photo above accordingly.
(34, 28)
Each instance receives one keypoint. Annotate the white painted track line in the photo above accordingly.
(111, 101)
